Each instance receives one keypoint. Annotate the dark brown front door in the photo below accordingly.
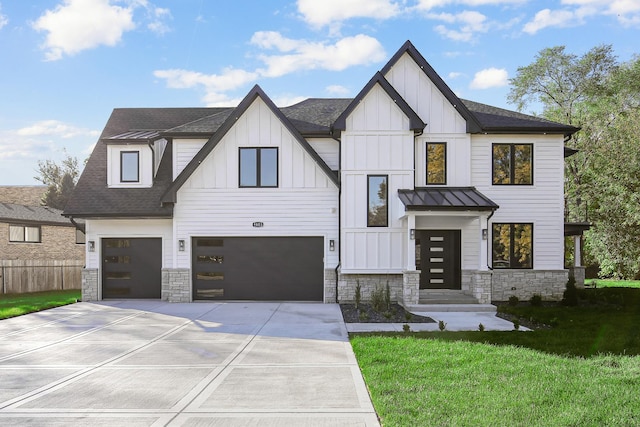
(131, 268)
(258, 268)
(438, 258)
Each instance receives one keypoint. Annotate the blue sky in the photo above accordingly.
(65, 64)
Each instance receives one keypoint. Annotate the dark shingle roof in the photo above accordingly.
(10, 212)
(445, 198)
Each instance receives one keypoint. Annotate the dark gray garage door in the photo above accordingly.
(264, 268)
(131, 268)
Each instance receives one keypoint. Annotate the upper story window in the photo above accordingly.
(377, 201)
(436, 163)
(512, 164)
(258, 167)
(24, 233)
(129, 166)
(512, 245)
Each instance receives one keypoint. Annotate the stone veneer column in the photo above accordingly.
(410, 287)
(481, 286)
(90, 284)
(176, 285)
(578, 273)
(329, 286)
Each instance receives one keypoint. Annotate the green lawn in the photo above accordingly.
(12, 305)
(585, 371)
(608, 283)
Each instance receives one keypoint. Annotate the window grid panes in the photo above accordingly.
(129, 166)
(377, 201)
(436, 163)
(258, 167)
(512, 164)
(512, 245)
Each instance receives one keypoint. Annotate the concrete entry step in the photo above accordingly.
(445, 296)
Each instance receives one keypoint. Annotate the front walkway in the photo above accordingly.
(149, 363)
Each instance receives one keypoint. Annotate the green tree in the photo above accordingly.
(60, 180)
(601, 96)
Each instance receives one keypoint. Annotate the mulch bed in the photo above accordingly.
(366, 314)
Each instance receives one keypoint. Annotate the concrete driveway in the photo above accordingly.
(149, 363)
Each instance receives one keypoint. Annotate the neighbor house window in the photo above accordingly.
(512, 245)
(24, 233)
(129, 166)
(377, 201)
(436, 163)
(258, 167)
(512, 164)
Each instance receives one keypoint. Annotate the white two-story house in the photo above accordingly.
(405, 185)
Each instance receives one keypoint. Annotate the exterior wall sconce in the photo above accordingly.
(332, 245)
(412, 234)
(92, 245)
(181, 245)
(484, 234)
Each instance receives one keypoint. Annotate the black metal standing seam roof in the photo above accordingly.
(445, 198)
(10, 212)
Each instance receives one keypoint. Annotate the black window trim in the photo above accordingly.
(122, 153)
(512, 245)
(386, 177)
(426, 162)
(512, 165)
(24, 233)
(258, 167)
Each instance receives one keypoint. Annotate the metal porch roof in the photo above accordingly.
(445, 198)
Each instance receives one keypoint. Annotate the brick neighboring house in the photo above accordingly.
(35, 239)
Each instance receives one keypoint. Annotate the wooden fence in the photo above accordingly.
(17, 276)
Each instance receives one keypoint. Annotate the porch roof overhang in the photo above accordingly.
(575, 228)
(443, 199)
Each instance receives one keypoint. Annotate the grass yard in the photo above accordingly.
(12, 305)
(585, 370)
(608, 283)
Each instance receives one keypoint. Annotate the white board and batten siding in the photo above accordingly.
(424, 97)
(145, 165)
(541, 203)
(183, 151)
(458, 158)
(97, 229)
(328, 149)
(210, 203)
(377, 141)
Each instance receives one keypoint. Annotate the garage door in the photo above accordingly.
(265, 268)
(131, 268)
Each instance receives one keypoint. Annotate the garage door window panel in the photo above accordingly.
(258, 167)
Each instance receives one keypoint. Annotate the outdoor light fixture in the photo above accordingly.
(92, 245)
(412, 234)
(332, 245)
(181, 245)
(484, 234)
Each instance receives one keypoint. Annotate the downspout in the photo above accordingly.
(488, 240)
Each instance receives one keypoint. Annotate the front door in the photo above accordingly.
(438, 258)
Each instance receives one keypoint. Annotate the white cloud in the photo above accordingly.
(427, 5)
(327, 12)
(471, 22)
(3, 19)
(455, 74)
(77, 25)
(490, 77)
(55, 128)
(337, 90)
(286, 100)
(305, 55)
(159, 17)
(548, 18)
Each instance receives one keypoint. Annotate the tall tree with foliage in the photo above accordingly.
(601, 96)
(60, 180)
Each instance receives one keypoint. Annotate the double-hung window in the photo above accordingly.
(512, 245)
(24, 233)
(258, 167)
(436, 163)
(377, 201)
(512, 164)
(129, 166)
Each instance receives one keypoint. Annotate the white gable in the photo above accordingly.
(377, 112)
(424, 97)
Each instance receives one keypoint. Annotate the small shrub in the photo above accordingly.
(516, 324)
(377, 299)
(536, 300)
(406, 328)
(513, 300)
(358, 293)
(408, 316)
(387, 315)
(570, 295)
(481, 327)
(363, 316)
(387, 296)
(441, 325)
